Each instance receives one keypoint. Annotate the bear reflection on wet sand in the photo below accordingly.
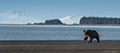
(91, 34)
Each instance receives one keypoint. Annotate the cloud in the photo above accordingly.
(67, 19)
(9, 14)
(70, 19)
(80, 17)
(77, 19)
(15, 17)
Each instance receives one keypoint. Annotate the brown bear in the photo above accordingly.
(91, 34)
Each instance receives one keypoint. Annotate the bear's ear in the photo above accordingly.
(83, 30)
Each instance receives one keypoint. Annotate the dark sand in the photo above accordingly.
(59, 47)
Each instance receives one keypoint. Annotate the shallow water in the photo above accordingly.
(55, 32)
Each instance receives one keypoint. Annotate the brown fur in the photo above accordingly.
(91, 34)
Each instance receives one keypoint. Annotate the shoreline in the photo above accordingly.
(57, 42)
(62, 46)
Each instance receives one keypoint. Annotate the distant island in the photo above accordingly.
(48, 22)
(99, 20)
(91, 20)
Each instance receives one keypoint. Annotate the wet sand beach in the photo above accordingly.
(68, 46)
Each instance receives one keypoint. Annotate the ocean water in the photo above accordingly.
(55, 32)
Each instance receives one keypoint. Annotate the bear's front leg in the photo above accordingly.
(90, 40)
(85, 39)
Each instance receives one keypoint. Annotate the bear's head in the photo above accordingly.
(86, 32)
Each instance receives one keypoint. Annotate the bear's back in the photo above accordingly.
(93, 34)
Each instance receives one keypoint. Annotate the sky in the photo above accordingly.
(68, 11)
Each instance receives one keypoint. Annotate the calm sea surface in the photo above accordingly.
(55, 32)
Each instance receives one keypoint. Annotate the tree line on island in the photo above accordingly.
(99, 20)
(49, 22)
(83, 20)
